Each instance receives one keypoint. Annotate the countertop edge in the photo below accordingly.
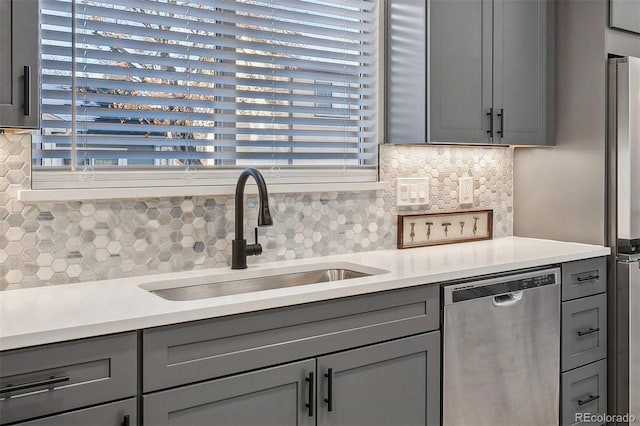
(310, 293)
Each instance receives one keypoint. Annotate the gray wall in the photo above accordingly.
(559, 192)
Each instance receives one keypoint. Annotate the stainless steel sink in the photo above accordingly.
(227, 287)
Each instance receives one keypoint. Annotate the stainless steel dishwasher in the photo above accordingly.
(501, 350)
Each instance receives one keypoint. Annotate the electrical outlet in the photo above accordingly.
(412, 191)
(466, 190)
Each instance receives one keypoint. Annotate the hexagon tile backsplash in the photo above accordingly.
(48, 243)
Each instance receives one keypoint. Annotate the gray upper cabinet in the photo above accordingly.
(406, 71)
(460, 83)
(19, 63)
(522, 72)
(625, 15)
(489, 72)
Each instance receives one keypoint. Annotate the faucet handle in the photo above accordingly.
(255, 248)
(255, 240)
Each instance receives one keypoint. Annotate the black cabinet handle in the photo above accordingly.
(588, 278)
(501, 115)
(35, 384)
(329, 398)
(490, 115)
(589, 331)
(588, 400)
(126, 421)
(26, 92)
(311, 396)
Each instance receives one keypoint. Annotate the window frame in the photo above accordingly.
(333, 178)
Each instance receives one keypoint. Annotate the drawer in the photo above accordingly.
(49, 379)
(584, 331)
(584, 391)
(121, 413)
(189, 352)
(584, 278)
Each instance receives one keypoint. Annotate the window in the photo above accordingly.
(150, 92)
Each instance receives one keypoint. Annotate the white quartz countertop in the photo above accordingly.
(41, 315)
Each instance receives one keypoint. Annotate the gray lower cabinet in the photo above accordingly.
(274, 396)
(121, 413)
(584, 331)
(392, 383)
(185, 353)
(19, 63)
(46, 380)
(584, 342)
(584, 278)
(584, 393)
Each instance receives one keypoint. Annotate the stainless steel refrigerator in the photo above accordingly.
(624, 236)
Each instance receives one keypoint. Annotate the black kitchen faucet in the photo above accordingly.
(239, 247)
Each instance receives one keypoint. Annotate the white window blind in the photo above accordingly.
(171, 86)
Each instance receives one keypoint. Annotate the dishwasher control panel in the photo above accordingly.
(501, 285)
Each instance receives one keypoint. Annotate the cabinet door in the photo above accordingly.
(122, 413)
(394, 383)
(275, 396)
(625, 15)
(523, 71)
(460, 71)
(19, 59)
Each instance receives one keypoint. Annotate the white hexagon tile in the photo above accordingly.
(48, 243)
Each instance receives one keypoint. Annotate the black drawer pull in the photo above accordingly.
(588, 400)
(311, 396)
(490, 115)
(588, 278)
(37, 383)
(126, 421)
(329, 398)
(26, 91)
(589, 331)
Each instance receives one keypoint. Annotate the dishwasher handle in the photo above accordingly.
(508, 299)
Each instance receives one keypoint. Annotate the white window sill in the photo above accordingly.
(34, 195)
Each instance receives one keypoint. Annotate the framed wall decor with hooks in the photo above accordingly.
(430, 229)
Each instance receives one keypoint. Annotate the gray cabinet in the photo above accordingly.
(19, 63)
(270, 397)
(394, 383)
(523, 72)
(185, 353)
(489, 72)
(584, 331)
(625, 15)
(583, 341)
(406, 71)
(584, 278)
(460, 62)
(121, 413)
(221, 371)
(50, 379)
(584, 392)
